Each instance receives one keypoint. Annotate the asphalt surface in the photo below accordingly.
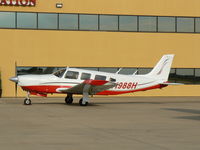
(123, 123)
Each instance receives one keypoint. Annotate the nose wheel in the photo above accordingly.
(27, 101)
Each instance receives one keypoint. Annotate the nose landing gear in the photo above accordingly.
(27, 100)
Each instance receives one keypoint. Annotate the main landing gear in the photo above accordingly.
(27, 100)
(82, 102)
(69, 99)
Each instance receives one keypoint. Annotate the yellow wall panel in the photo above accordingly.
(137, 7)
(94, 49)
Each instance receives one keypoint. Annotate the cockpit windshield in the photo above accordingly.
(59, 73)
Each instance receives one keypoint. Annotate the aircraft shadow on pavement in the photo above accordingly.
(195, 116)
(93, 103)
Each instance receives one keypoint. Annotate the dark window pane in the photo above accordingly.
(144, 70)
(127, 71)
(172, 75)
(112, 80)
(185, 24)
(7, 20)
(185, 76)
(30, 70)
(185, 72)
(89, 68)
(197, 25)
(128, 23)
(108, 22)
(88, 22)
(85, 76)
(197, 76)
(99, 77)
(147, 23)
(47, 21)
(109, 70)
(72, 75)
(68, 21)
(166, 24)
(197, 72)
(26, 20)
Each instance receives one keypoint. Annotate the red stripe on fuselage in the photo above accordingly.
(43, 88)
(131, 91)
(95, 82)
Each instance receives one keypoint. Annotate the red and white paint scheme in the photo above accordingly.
(86, 82)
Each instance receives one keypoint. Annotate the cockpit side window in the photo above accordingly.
(59, 73)
(72, 75)
(100, 77)
(85, 76)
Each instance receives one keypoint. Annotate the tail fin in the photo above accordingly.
(162, 69)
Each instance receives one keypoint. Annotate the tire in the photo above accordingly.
(27, 101)
(69, 100)
(81, 102)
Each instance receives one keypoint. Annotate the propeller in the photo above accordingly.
(17, 78)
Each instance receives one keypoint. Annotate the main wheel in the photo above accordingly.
(69, 100)
(27, 101)
(81, 102)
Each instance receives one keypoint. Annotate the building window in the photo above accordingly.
(108, 22)
(27, 20)
(128, 71)
(128, 23)
(7, 20)
(47, 21)
(90, 68)
(68, 21)
(197, 25)
(109, 70)
(166, 24)
(88, 22)
(177, 75)
(147, 24)
(185, 24)
(94, 22)
(144, 70)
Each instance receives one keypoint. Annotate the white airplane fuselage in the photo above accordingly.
(50, 83)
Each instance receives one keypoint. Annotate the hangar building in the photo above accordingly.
(41, 36)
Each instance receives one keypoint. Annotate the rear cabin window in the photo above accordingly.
(85, 76)
(72, 75)
(99, 77)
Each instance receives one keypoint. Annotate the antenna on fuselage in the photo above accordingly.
(118, 70)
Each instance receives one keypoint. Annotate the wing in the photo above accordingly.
(93, 87)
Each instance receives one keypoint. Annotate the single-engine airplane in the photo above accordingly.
(86, 82)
